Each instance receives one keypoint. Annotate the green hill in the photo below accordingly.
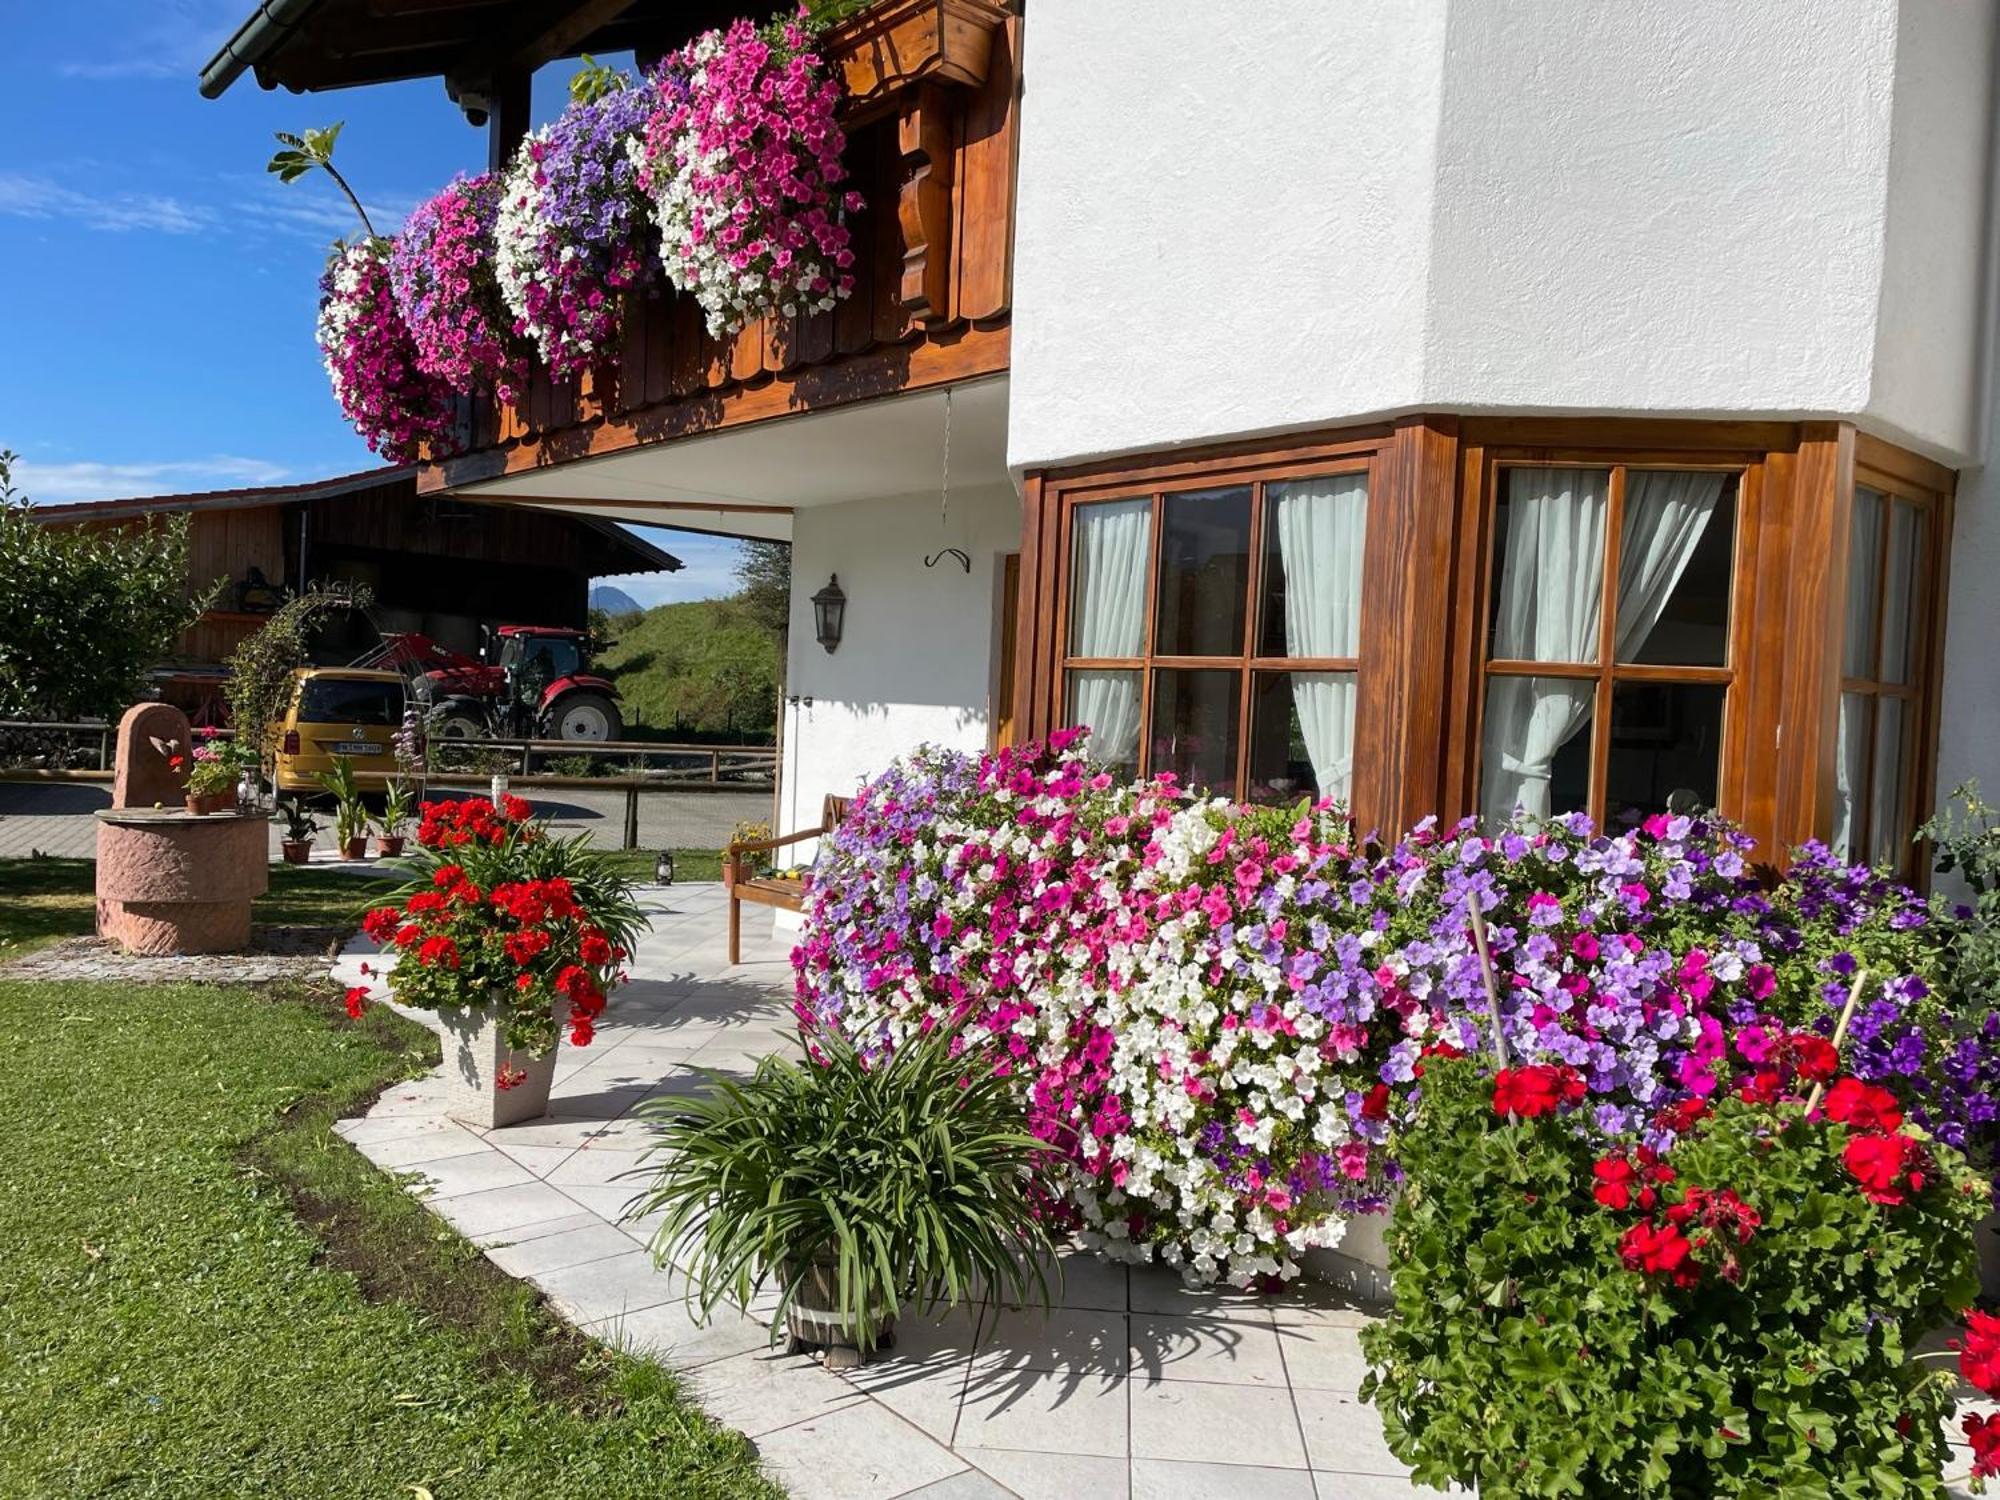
(703, 669)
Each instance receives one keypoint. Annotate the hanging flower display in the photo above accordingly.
(373, 362)
(570, 229)
(1221, 1014)
(741, 159)
(443, 275)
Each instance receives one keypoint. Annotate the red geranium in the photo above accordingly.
(357, 1000)
(1375, 1103)
(1863, 1106)
(1659, 1250)
(1888, 1167)
(1979, 1354)
(1984, 1434)
(1814, 1056)
(1536, 1090)
(1617, 1180)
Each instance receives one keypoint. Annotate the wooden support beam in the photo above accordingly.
(924, 136)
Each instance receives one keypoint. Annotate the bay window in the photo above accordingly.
(1450, 615)
(1214, 632)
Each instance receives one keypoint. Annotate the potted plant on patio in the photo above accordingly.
(512, 936)
(859, 1185)
(394, 819)
(300, 826)
(350, 813)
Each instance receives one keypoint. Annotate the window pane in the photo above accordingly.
(1301, 736)
(1109, 553)
(1548, 564)
(1194, 727)
(1666, 747)
(1536, 754)
(1850, 775)
(1888, 806)
(1864, 567)
(1204, 573)
(1904, 594)
(1107, 703)
(1313, 534)
(1675, 556)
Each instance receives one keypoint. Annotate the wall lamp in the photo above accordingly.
(829, 613)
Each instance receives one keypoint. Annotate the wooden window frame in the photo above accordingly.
(1904, 479)
(1246, 664)
(1425, 606)
(1606, 673)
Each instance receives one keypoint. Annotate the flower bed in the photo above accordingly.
(1221, 1013)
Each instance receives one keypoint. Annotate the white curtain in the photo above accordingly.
(1322, 524)
(1551, 592)
(1550, 606)
(1850, 746)
(1110, 546)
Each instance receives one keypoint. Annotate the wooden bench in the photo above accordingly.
(785, 892)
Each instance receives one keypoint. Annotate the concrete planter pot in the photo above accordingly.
(813, 1324)
(475, 1052)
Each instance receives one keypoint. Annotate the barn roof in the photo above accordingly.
(645, 557)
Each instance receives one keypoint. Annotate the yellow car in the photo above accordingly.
(347, 711)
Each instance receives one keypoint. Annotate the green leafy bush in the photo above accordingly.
(1741, 1326)
(873, 1185)
(85, 611)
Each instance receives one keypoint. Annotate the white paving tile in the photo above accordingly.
(1044, 1412)
(1343, 1436)
(1203, 1422)
(764, 1390)
(476, 1214)
(455, 1176)
(1224, 1350)
(860, 1452)
(1055, 1476)
(593, 1240)
(1164, 1479)
(611, 1287)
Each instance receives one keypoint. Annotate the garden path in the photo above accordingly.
(1133, 1388)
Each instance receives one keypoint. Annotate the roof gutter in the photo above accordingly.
(256, 39)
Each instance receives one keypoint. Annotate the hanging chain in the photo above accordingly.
(944, 490)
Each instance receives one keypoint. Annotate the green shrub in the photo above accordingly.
(1527, 1356)
(903, 1181)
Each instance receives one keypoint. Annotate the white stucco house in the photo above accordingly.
(1445, 404)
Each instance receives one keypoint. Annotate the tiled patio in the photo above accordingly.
(1133, 1387)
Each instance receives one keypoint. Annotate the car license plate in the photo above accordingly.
(355, 747)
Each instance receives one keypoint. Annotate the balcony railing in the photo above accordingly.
(931, 114)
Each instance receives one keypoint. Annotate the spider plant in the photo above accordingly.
(860, 1186)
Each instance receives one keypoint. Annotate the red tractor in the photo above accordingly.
(540, 686)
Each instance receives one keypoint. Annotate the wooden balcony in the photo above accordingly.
(931, 115)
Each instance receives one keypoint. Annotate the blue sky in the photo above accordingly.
(157, 287)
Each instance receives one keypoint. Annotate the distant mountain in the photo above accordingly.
(613, 601)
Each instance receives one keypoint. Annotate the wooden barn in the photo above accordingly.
(440, 565)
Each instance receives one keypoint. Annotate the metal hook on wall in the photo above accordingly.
(935, 558)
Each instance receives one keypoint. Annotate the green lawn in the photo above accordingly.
(43, 899)
(204, 1292)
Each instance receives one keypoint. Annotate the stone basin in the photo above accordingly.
(172, 881)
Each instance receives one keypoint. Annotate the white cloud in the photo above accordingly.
(172, 40)
(86, 480)
(26, 196)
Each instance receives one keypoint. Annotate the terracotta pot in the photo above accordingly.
(203, 803)
(813, 1323)
(355, 848)
(389, 845)
(475, 1052)
(296, 851)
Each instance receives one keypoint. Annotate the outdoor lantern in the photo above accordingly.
(663, 869)
(829, 610)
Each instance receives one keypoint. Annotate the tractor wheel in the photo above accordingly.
(585, 716)
(458, 724)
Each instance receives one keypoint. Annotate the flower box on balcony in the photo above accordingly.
(893, 47)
